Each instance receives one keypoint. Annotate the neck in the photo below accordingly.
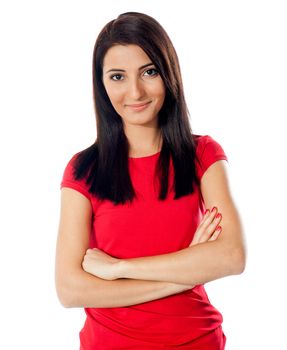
(143, 140)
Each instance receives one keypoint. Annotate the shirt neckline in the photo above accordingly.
(145, 157)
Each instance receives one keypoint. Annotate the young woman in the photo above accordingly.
(146, 212)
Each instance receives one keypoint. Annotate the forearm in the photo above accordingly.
(194, 265)
(85, 290)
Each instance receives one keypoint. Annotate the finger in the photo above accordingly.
(208, 231)
(216, 233)
(207, 226)
(200, 229)
(205, 221)
(208, 217)
(201, 234)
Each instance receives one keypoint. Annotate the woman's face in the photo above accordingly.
(130, 78)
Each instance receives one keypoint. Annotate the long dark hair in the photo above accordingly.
(104, 164)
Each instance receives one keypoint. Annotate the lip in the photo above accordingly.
(140, 106)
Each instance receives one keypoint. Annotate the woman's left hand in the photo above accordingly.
(100, 264)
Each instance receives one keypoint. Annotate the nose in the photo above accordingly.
(136, 89)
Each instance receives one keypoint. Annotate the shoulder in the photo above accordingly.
(207, 151)
(71, 161)
(69, 168)
(202, 141)
(69, 178)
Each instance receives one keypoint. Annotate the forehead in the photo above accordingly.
(125, 56)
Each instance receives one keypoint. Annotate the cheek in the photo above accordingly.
(160, 98)
(114, 92)
(115, 95)
(158, 90)
(160, 95)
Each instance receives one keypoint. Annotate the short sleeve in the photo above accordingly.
(208, 151)
(68, 180)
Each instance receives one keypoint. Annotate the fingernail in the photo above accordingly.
(206, 211)
(214, 208)
(218, 228)
(218, 215)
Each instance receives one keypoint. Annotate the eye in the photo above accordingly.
(152, 70)
(115, 75)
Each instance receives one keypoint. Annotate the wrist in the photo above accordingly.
(121, 268)
(181, 287)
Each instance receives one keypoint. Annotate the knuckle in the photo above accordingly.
(206, 223)
(205, 236)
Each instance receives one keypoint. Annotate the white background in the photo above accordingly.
(233, 62)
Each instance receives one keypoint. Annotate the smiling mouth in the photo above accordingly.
(139, 105)
(140, 108)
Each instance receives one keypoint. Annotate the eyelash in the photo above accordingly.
(153, 69)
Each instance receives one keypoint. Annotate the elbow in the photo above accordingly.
(66, 302)
(238, 261)
(65, 292)
(65, 297)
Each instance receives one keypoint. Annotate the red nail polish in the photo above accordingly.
(214, 208)
(218, 215)
(207, 210)
(218, 228)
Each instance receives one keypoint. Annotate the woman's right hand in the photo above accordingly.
(207, 230)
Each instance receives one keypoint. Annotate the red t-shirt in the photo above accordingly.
(148, 227)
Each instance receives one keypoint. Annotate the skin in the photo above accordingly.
(78, 288)
(228, 252)
(135, 86)
(100, 264)
(91, 278)
(192, 265)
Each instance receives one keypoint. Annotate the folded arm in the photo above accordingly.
(203, 262)
(77, 288)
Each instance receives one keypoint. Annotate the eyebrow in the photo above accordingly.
(122, 70)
